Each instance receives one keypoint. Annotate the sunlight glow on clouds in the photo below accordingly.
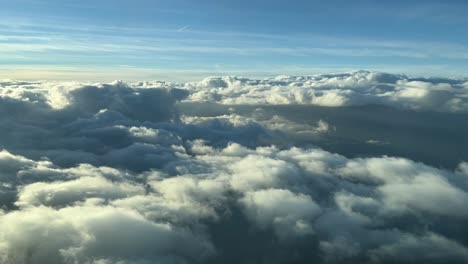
(132, 176)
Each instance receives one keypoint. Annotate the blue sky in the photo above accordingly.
(187, 40)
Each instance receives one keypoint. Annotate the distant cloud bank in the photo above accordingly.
(333, 90)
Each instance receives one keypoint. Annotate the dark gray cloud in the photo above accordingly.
(117, 173)
(438, 139)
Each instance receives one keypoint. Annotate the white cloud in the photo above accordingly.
(332, 90)
(110, 173)
(289, 214)
(260, 172)
(60, 194)
(294, 193)
(355, 88)
(83, 234)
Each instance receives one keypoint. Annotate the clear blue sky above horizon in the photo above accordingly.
(185, 40)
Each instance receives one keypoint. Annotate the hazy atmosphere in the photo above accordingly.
(273, 132)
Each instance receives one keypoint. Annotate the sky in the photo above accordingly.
(187, 40)
(270, 132)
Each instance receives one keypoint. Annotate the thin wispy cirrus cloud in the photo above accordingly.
(260, 131)
(207, 36)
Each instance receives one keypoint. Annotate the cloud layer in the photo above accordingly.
(335, 90)
(331, 90)
(117, 173)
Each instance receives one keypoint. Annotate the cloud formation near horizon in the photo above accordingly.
(331, 90)
(335, 90)
(119, 173)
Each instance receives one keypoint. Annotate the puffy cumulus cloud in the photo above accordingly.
(87, 97)
(405, 185)
(45, 171)
(334, 90)
(351, 206)
(182, 199)
(88, 124)
(52, 93)
(11, 164)
(84, 234)
(59, 194)
(429, 194)
(288, 213)
(13, 170)
(257, 172)
(157, 208)
(426, 248)
(135, 104)
(331, 90)
(463, 168)
(114, 125)
(272, 122)
(115, 173)
(309, 200)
